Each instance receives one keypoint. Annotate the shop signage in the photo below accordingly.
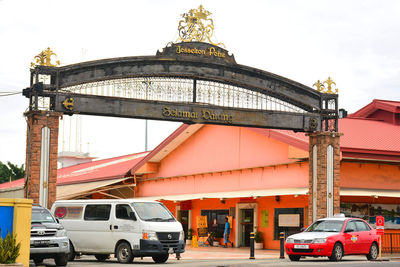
(202, 226)
(204, 114)
(380, 225)
(289, 220)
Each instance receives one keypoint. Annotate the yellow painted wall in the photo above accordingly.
(21, 224)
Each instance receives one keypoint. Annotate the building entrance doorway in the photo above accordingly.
(183, 218)
(246, 226)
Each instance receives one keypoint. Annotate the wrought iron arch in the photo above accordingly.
(189, 82)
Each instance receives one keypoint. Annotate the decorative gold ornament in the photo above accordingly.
(196, 25)
(68, 103)
(44, 59)
(328, 90)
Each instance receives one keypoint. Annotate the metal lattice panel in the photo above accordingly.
(180, 90)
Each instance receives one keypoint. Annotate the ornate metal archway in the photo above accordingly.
(189, 82)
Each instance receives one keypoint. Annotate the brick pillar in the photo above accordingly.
(324, 175)
(36, 121)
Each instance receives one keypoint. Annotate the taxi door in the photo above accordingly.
(352, 239)
(366, 237)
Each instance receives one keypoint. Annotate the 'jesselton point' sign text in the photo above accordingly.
(207, 52)
(204, 114)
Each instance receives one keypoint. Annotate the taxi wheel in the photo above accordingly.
(124, 253)
(294, 257)
(373, 252)
(337, 252)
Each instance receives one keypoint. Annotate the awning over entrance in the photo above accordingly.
(81, 189)
(369, 192)
(233, 194)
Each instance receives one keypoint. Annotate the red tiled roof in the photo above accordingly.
(12, 184)
(98, 170)
(359, 135)
(112, 168)
(376, 104)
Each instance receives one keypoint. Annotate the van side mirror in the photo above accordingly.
(302, 229)
(132, 215)
(57, 220)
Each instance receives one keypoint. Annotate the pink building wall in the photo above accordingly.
(218, 158)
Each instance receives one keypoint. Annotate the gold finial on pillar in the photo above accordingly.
(328, 89)
(44, 59)
(196, 25)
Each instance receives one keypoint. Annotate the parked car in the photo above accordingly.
(127, 228)
(334, 238)
(48, 238)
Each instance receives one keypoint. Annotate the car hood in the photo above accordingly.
(312, 235)
(46, 226)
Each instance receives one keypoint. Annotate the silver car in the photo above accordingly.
(48, 238)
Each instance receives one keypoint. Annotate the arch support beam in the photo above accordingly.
(187, 112)
(324, 175)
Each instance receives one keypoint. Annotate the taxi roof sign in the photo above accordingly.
(339, 215)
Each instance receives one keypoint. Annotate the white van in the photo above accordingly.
(127, 228)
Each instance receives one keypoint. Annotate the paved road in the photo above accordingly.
(355, 261)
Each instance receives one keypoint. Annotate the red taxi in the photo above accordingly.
(334, 237)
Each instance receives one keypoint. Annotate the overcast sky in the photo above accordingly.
(356, 43)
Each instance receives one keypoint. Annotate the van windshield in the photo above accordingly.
(153, 212)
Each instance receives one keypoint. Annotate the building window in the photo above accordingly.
(288, 220)
(215, 220)
(97, 212)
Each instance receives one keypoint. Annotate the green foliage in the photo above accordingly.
(9, 249)
(12, 171)
(258, 237)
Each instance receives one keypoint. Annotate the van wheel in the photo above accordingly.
(38, 260)
(61, 259)
(71, 254)
(102, 257)
(160, 258)
(124, 253)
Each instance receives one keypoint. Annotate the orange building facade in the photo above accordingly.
(260, 177)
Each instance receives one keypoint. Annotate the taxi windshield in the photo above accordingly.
(153, 212)
(326, 226)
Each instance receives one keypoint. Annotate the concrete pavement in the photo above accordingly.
(219, 256)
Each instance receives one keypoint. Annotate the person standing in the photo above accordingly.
(226, 233)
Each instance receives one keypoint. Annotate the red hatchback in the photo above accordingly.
(334, 238)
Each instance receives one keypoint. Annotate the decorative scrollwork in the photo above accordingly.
(68, 103)
(196, 25)
(328, 89)
(44, 58)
